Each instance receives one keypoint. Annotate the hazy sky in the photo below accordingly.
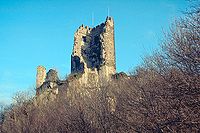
(40, 32)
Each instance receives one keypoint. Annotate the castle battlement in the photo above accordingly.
(83, 30)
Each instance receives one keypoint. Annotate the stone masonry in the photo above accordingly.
(46, 81)
(41, 75)
(92, 60)
(93, 54)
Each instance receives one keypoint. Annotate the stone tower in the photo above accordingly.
(41, 75)
(93, 53)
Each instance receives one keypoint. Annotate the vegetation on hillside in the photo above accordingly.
(162, 95)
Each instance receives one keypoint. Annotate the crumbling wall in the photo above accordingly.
(94, 53)
(93, 58)
(50, 82)
(40, 77)
(52, 76)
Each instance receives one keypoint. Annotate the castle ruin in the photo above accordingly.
(47, 80)
(93, 53)
(93, 59)
(40, 77)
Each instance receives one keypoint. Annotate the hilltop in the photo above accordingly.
(162, 95)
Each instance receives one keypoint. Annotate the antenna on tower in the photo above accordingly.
(92, 19)
(108, 11)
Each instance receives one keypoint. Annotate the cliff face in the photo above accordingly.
(93, 53)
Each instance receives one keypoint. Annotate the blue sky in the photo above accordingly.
(40, 32)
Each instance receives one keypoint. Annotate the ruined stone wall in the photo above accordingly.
(108, 50)
(41, 75)
(94, 52)
(46, 81)
(52, 76)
